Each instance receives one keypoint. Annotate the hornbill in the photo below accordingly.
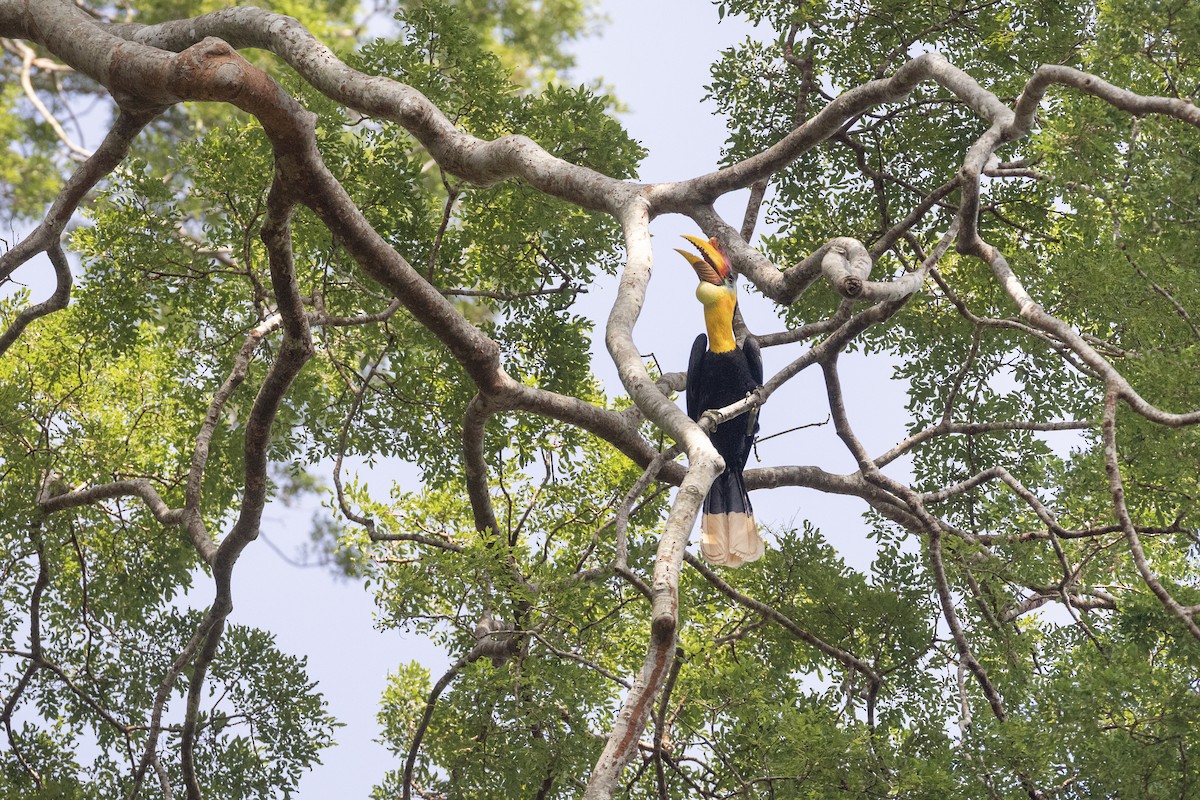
(720, 373)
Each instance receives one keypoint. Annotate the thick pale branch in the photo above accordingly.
(294, 353)
(1084, 602)
(847, 266)
(1039, 318)
(475, 464)
(626, 308)
(139, 487)
(704, 466)
(192, 517)
(458, 153)
(622, 744)
(1047, 75)
(1112, 466)
(819, 480)
(1008, 125)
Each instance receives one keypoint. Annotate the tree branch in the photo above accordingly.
(1116, 486)
(46, 236)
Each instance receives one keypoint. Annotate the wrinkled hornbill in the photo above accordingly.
(720, 373)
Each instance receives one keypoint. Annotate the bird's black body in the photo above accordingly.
(715, 380)
(719, 374)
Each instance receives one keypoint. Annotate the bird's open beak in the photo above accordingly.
(714, 266)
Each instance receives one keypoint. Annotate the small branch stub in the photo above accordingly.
(494, 639)
(847, 266)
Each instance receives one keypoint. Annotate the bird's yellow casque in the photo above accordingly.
(716, 292)
(719, 373)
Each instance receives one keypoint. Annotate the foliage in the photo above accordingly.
(795, 677)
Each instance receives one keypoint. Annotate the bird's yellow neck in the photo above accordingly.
(719, 302)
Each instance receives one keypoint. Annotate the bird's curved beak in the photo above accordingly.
(711, 265)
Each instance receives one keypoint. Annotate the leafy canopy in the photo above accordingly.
(797, 677)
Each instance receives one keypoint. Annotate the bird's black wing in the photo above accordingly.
(754, 366)
(694, 409)
(753, 359)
